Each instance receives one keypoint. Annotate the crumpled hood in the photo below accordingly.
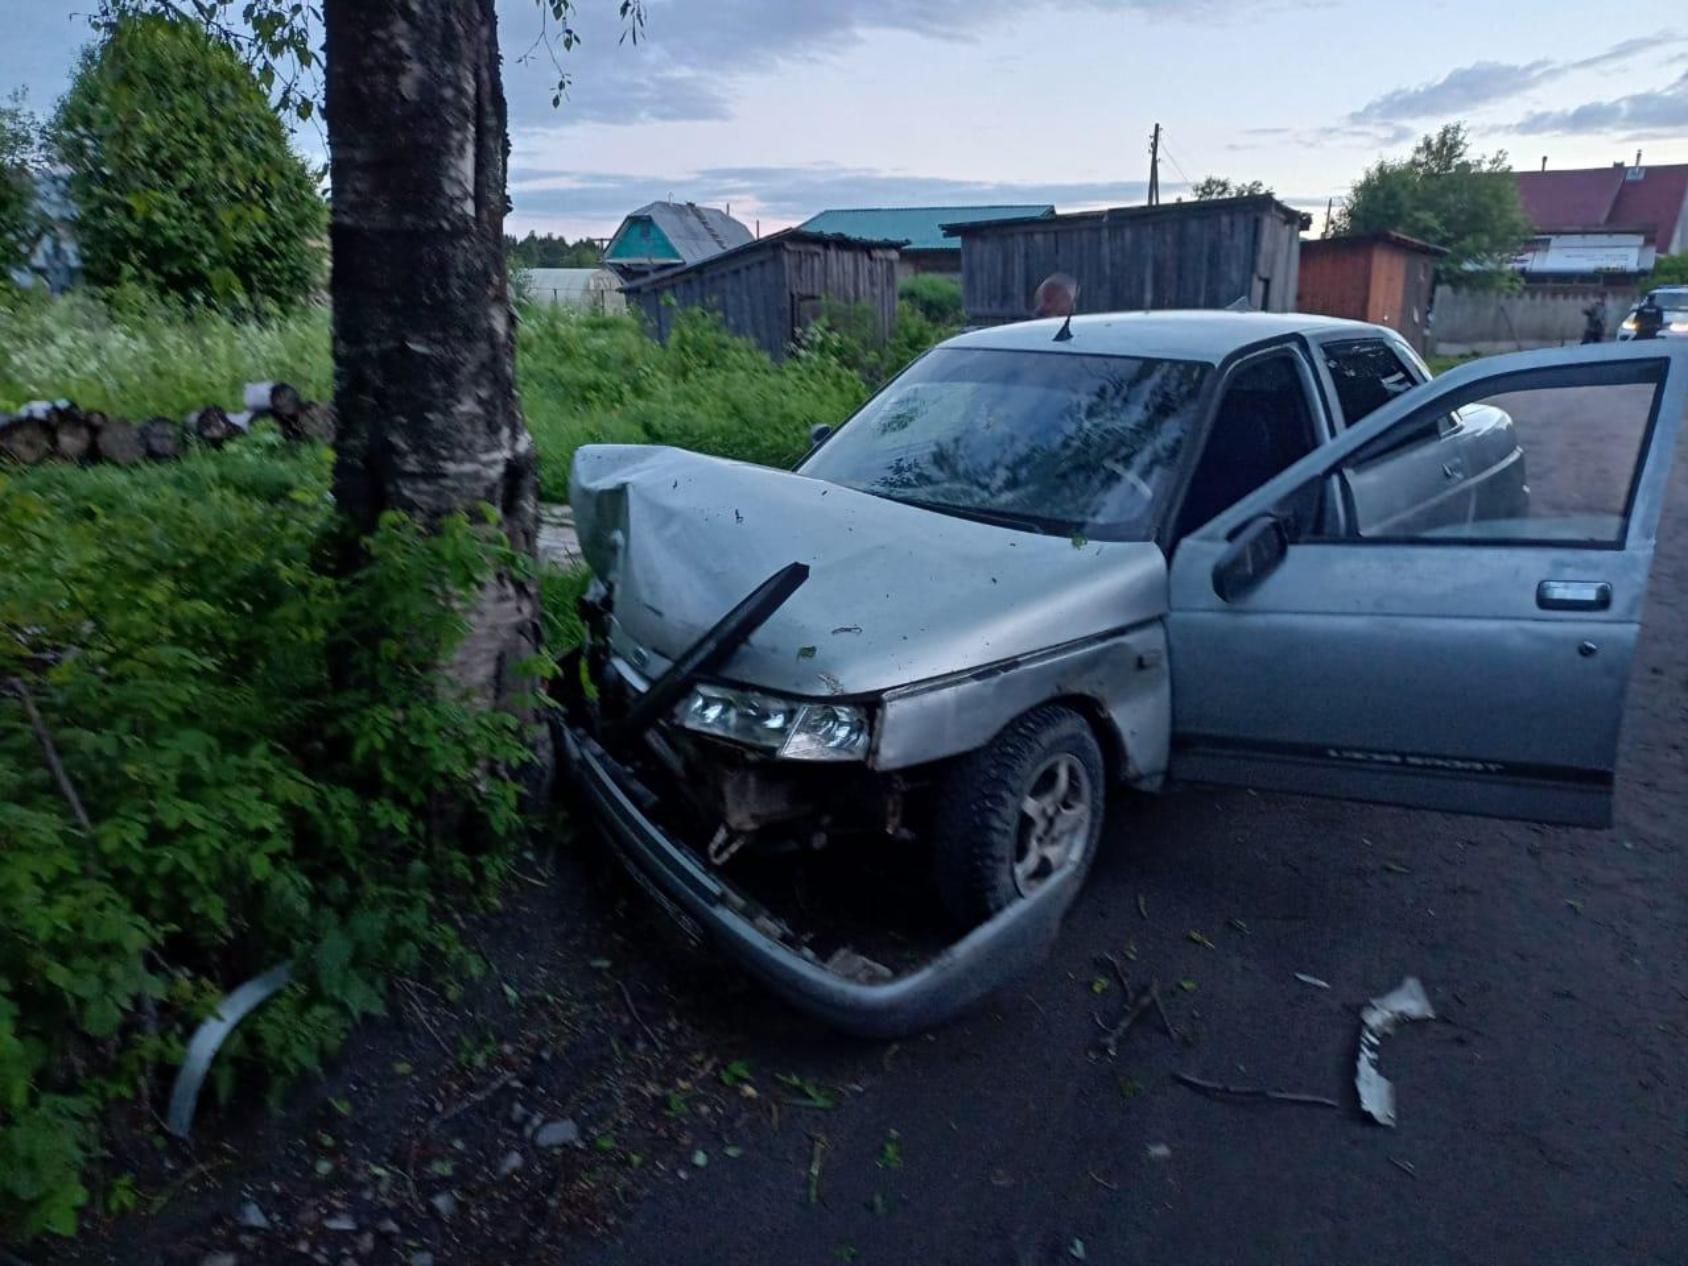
(895, 594)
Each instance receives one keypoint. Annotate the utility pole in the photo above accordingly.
(1154, 167)
(1330, 204)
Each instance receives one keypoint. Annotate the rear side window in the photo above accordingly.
(1367, 374)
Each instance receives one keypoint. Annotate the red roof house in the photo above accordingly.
(1604, 219)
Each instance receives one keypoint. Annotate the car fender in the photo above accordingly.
(1118, 678)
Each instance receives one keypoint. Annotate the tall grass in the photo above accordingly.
(588, 380)
(583, 379)
(137, 356)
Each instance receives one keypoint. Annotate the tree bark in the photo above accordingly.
(424, 334)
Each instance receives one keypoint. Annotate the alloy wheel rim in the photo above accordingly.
(1054, 822)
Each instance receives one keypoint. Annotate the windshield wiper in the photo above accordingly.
(997, 518)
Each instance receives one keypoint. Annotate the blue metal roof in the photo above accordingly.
(921, 227)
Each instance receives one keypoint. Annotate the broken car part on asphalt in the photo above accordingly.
(1407, 1001)
(210, 1036)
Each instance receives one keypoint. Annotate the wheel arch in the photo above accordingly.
(1115, 756)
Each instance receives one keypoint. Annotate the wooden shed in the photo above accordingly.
(772, 289)
(1220, 253)
(1387, 278)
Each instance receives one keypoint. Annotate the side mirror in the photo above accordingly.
(819, 434)
(1252, 555)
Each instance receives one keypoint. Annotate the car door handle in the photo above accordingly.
(1573, 595)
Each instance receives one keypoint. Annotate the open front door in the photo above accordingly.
(1441, 608)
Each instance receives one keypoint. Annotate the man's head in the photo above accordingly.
(1056, 296)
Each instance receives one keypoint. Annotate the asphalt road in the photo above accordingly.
(1543, 1116)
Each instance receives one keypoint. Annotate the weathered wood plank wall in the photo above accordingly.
(772, 290)
(1187, 255)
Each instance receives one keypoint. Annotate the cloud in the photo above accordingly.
(1461, 89)
(692, 52)
(1626, 49)
(1638, 114)
(791, 194)
(796, 192)
(1467, 88)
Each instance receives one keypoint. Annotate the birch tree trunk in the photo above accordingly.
(424, 336)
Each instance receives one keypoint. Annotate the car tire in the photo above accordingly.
(992, 848)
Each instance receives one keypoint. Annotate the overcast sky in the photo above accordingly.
(784, 107)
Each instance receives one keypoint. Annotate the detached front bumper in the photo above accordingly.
(950, 983)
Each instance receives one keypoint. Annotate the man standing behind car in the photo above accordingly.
(1649, 318)
(1056, 296)
(1594, 322)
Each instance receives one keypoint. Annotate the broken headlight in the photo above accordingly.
(789, 728)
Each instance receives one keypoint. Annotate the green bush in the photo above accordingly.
(1670, 270)
(936, 297)
(183, 177)
(263, 759)
(848, 335)
(589, 380)
(267, 762)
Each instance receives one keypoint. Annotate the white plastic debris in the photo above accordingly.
(1407, 1001)
(563, 1133)
(250, 1217)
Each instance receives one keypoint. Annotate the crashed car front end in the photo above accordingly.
(657, 794)
(709, 714)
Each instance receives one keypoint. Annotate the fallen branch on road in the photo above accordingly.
(1171, 1029)
(627, 997)
(480, 1096)
(1255, 1092)
(1111, 1036)
(820, 1143)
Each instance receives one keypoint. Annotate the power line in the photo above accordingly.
(1176, 165)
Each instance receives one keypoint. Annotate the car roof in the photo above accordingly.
(1205, 335)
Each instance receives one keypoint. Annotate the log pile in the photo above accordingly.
(59, 431)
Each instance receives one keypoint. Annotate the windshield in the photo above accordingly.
(1046, 441)
(1673, 302)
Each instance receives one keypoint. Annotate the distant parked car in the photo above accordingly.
(1256, 549)
(1673, 300)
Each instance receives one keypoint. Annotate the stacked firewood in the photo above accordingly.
(57, 430)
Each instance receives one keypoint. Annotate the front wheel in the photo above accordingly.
(1018, 812)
